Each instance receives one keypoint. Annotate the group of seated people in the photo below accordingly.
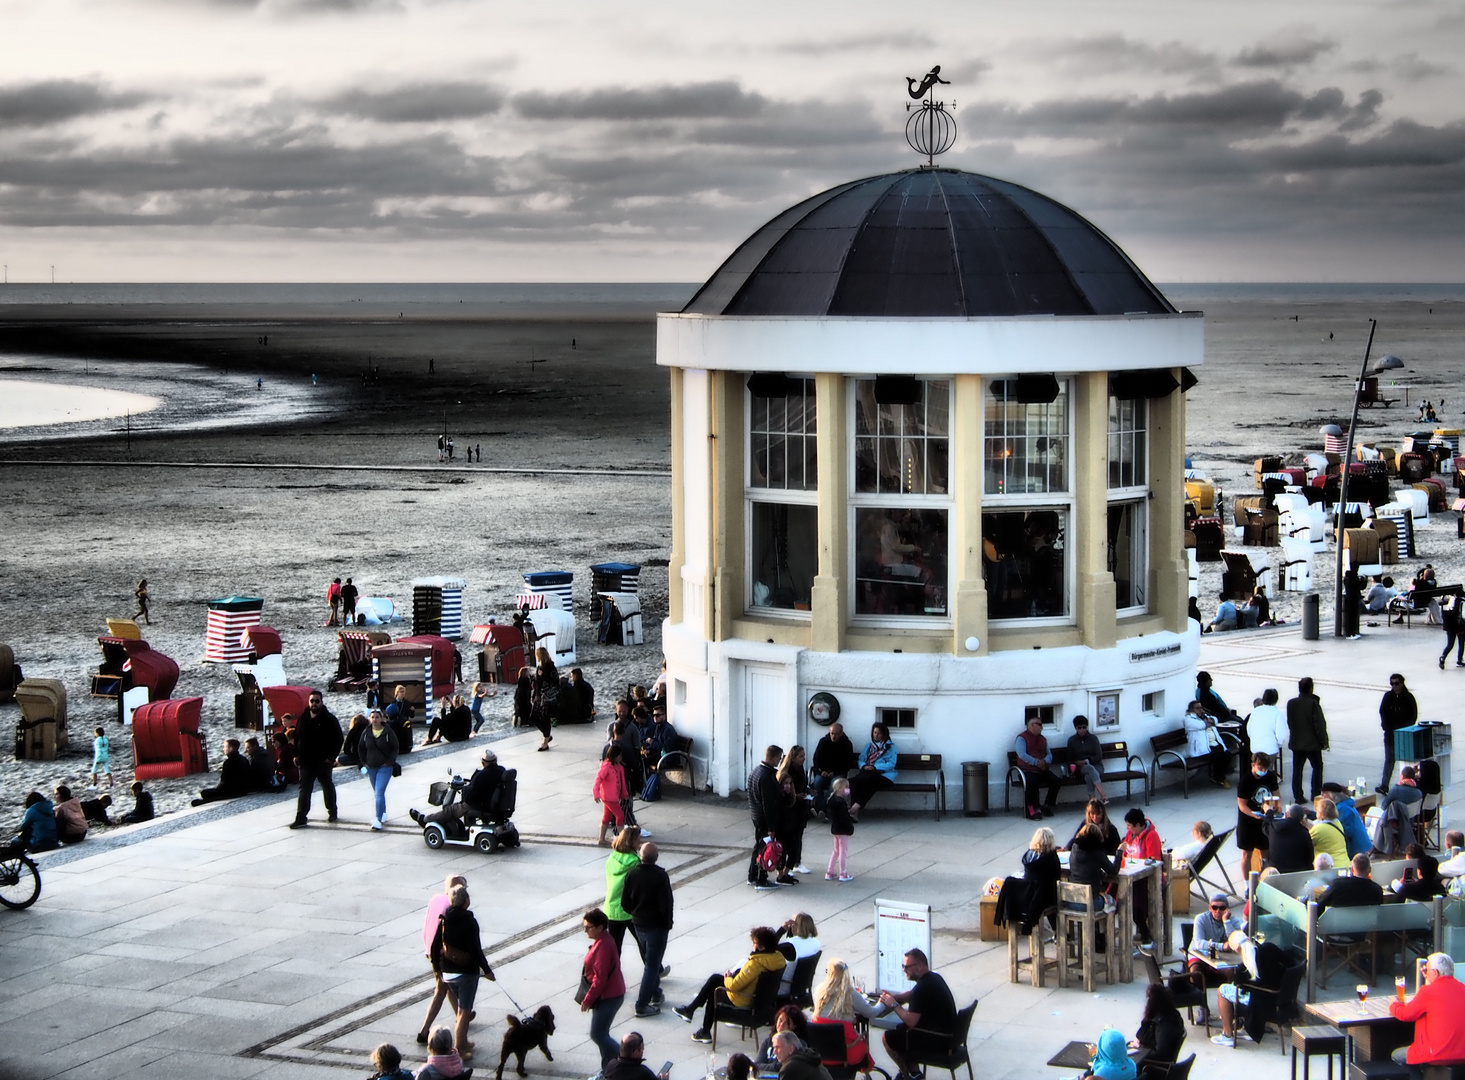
(1254, 611)
(926, 1013)
(252, 769)
(64, 818)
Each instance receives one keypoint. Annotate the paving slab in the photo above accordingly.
(224, 944)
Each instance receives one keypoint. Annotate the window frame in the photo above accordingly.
(1142, 552)
(1137, 494)
(1065, 494)
(857, 501)
(775, 496)
(1110, 433)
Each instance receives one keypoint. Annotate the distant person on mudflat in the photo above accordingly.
(141, 593)
(349, 593)
(333, 598)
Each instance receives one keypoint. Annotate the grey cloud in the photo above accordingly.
(910, 39)
(693, 100)
(1284, 51)
(55, 101)
(1410, 67)
(1109, 53)
(419, 102)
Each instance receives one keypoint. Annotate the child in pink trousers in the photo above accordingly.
(842, 827)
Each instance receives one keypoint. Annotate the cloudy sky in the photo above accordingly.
(572, 140)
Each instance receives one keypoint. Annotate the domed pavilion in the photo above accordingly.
(928, 442)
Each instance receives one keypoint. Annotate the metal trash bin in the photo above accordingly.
(1309, 616)
(974, 788)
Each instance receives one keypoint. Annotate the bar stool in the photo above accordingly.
(1036, 960)
(1083, 926)
(1319, 1039)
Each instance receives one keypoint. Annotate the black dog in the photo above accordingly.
(524, 1034)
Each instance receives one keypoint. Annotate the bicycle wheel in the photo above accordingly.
(20, 882)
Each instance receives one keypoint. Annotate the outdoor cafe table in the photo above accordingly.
(1076, 1056)
(1373, 1034)
(1141, 874)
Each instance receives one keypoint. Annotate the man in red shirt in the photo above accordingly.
(1438, 1012)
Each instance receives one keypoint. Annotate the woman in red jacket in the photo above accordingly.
(1141, 841)
(610, 790)
(600, 980)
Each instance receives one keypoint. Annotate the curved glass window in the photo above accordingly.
(781, 496)
(1025, 563)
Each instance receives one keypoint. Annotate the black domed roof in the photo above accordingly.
(928, 242)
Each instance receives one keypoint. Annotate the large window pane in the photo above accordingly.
(781, 438)
(1024, 563)
(783, 554)
(902, 449)
(1026, 447)
(1127, 457)
(1128, 556)
(900, 561)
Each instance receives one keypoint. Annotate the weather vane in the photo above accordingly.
(929, 129)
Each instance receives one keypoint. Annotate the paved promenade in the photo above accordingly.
(221, 944)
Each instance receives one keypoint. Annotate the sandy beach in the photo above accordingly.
(570, 412)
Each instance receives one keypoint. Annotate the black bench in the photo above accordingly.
(1172, 751)
(1016, 778)
(679, 756)
(1416, 602)
(905, 764)
(1129, 768)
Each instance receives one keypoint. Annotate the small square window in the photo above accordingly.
(1050, 715)
(898, 718)
(679, 691)
(1154, 702)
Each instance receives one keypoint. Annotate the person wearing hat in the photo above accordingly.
(477, 795)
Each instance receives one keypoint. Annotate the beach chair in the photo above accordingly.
(165, 739)
(10, 674)
(1296, 565)
(40, 733)
(1194, 563)
(1417, 501)
(124, 628)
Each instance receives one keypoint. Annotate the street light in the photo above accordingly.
(1388, 363)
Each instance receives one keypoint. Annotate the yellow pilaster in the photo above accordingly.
(678, 504)
(727, 503)
(829, 597)
(968, 603)
(1169, 569)
(1094, 592)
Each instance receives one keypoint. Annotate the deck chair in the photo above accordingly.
(1200, 886)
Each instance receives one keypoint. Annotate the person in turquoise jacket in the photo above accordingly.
(38, 826)
(877, 769)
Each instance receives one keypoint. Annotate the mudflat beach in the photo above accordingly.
(297, 442)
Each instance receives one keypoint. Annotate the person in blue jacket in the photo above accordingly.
(38, 826)
(1355, 832)
(877, 769)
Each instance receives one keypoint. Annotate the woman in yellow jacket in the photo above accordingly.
(1327, 833)
(739, 984)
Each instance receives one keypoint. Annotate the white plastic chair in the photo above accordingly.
(1190, 557)
(1296, 564)
(1417, 501)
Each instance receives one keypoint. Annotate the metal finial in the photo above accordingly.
(930, 129)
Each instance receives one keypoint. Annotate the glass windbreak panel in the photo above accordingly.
(783, 555)
(781, 440)
(902, 449)
(1127, 554)
(1026, 447)
(900, 561)
(1127, 431)
(1024, 564)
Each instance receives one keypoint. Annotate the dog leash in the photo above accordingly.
(517, 1007)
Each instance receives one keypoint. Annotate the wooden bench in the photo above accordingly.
(1016, 778)
(905, 764)
(1131, 768)
(1416, 602)
(1172, 751)
(679, 756)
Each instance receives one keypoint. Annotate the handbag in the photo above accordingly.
(396, 768)
(583, 989)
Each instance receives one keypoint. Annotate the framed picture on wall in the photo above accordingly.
(1106, 709)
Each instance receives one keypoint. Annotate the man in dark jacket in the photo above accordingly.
(1307, 737)
(765, 797)
(796, 1062)
(318, 740)
(1289, 841)
(630, 1061)
(834, 757)
(235, 776)
(478, 793)
(1397, 710)
(1355, 890)
(261, 766)
(647, 898)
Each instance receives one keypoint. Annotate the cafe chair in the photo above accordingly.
(1079, 927)
(755, 1016)
(1167, 1070)
(833, 1040)
(1189, 1000)
(801, 986)
(954, 1055)
(1284, 1012)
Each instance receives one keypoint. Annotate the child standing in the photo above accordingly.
(101, 766)
(842, 827)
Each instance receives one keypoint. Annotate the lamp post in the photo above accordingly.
(1388, 363)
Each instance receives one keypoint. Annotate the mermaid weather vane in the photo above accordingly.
(929, 129)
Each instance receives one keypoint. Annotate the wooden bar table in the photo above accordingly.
(1373, 1034)
(1140, 874)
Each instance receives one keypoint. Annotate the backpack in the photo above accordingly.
(651, 791)
(771, 857)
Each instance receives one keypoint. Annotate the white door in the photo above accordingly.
(765, 695)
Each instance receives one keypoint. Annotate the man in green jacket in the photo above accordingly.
(1307, 731)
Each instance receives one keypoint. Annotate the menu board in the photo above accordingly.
(899, 927)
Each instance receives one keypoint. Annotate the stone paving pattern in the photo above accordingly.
(223, 945)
